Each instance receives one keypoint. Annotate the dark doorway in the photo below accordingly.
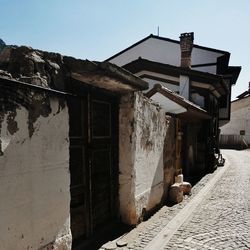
(93, 162)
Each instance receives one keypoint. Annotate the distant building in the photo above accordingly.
(85, 145)
(236, 133)
(202, 76)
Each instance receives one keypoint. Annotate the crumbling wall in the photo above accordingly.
(143, 168)
(150, 130)
(36, 67)
(127, 157)
(34, 171)
(169, 156)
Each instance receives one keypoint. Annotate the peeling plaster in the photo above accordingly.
(34, 173)
(40, 106)
(143, 130)
(12, 124)
(8, 127)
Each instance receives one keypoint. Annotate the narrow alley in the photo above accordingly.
(216, 216)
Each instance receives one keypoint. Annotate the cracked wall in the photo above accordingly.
(144, 168)
(34, 171)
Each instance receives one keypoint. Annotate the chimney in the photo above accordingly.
(186, 44)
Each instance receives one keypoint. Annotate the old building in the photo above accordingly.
(236, 133)
(84, 144)
(80, 149)
(199, 74)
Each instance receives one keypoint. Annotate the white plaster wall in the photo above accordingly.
(151, 49)
(34, 177)
(141, 171)
(166, 52)
(201, 56)
(127, 159)
(240, 119)
(150, 121)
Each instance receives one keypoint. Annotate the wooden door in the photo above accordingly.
(78, 171)
(93, 162)
(103, 159)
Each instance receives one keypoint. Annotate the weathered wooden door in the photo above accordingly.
(103, 159)
(78, 171)
(93, 162)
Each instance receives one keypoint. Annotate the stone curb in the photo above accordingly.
(169, 230)
(200, 190)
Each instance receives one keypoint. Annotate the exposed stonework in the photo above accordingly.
(33, 66)
(61, 243)
(52, 70)
(176, 193)
(186, 187)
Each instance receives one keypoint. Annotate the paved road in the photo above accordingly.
(216, 216)
(222, 220)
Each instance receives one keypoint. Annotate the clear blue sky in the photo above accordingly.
(97, 29)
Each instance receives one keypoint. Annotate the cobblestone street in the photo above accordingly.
(222, 220)
(216, 216)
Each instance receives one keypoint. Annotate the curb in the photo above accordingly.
(185, 213)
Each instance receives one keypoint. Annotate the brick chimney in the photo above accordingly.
(186, 44)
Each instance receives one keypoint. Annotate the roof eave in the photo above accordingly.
(193, 111)
(104, 75)
(168, 40)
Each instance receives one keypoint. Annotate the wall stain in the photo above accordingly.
(11, 123)
(36, 103)
(40, 106)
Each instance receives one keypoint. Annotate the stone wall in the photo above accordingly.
(34, 171)
(144, 169)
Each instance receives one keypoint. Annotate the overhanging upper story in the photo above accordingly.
(158, 60)
(167, 51)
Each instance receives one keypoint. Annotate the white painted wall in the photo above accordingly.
(167, 104)
(150, 127)
(240, 119)
(142, 135)
(161, 51)
(34, 177)
(127, 154)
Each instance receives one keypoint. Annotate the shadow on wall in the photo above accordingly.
(166, 165)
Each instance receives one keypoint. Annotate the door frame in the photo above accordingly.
(87, 95)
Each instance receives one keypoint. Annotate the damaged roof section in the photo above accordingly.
(54, 71)
(176, 104)
(105, 75)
